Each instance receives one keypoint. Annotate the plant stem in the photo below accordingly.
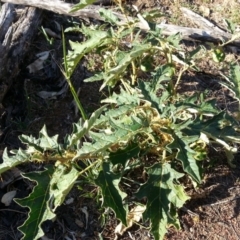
(87, 168)
(67, 77)
(179, 78)
(133, 75)
(75, 96)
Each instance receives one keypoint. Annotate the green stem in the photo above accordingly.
(178, 79)
(67, 77)
(87, 168)
(75, 96)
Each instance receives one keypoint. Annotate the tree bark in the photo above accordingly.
(16, 33)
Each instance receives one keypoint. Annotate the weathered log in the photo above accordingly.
(202, 34)
(7, 16)
(16, 34)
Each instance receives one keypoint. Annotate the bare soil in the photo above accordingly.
(214, 210)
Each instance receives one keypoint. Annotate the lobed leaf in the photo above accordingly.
(235, 77)
(115, 72)
(112, 195)
(186, 155)
(119, 131)
(149, 94)
(123, 155)
(20, 156)
(108, 16)
(38, 203)
(79, 130)
(114, 113)
(220, 126)
(123, 98)
(62, 181)
(46, 142)
(231, 26)
(203, 107)
(163, 195)
(233, 82)
(221, 130)
(97, 37)
(32, 142)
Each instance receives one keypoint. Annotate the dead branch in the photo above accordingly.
(200, 21)
(208, 26)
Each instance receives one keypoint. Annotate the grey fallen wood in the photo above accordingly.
(16, 35)
(208, 26)
(92, 11)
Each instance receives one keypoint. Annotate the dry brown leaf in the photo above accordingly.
(134, 215)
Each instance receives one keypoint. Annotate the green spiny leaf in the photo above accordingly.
(123, 155)
(61, 183)
(115, 72)
(220, 129)
(46, 142)
(114, 113)
(174, 39)
(80, 49)
(235, 77)
(164, 195)
(96, 77)
(112, 195)
(130, 124)
(233, 82)
(108, 16)
(80, 130)
(204, 107)
(19, 157)
(101, 142)
(220, 126)
(194, 52)
(38, 203)
(185, 154)
(151, 15)
(118, 131)
(231, 26)
(149, 94)
(123, 98)
(31, 142)
(163, 73)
